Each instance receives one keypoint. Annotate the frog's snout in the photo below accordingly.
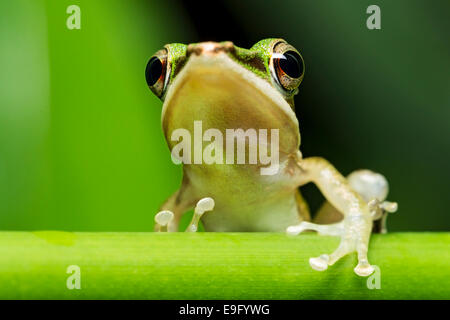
(209, 48)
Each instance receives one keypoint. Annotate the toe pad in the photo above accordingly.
(319, 263)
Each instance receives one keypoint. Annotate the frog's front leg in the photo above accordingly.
(165, 219)
(168, 218)
(356, 226)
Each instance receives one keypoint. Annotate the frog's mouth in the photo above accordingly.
(224, 95)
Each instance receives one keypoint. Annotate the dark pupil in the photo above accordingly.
(153, 71)
(292, 64)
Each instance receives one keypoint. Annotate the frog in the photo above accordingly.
(225, 87)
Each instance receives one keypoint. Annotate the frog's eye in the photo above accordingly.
(287, 66)
(156, 72)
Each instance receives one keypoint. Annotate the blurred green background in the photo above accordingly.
(81, 146)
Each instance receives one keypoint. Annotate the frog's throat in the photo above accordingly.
(223, 64)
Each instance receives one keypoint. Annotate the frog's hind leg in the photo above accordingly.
(346, 246)
(356, 226)
(302, 207)
(370, 185)
(358, 214)
(329, 229)
(323, 261)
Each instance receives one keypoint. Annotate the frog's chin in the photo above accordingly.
(224, 95)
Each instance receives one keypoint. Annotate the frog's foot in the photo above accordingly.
(203, 205)
(323, 229)
(350, 241)
(162, 219)
(373, 188)
(379, 211)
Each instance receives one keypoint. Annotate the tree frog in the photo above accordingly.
(209, 89)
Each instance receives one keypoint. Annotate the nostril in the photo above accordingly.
(209, 48)
(228, 46)
(194, 49)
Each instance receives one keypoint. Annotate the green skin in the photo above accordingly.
(227, 87)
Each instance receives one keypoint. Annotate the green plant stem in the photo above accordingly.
(217, 266)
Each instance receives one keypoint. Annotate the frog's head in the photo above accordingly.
(226, 86)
